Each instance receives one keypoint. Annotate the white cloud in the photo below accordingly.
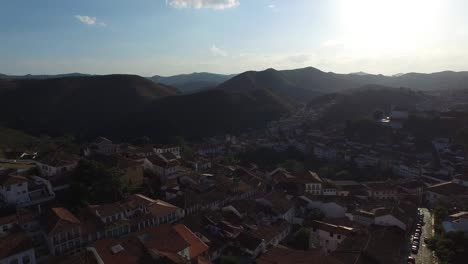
(215, 51)
(332, 43)
(271, 6)
(198, 4)
(88, 20)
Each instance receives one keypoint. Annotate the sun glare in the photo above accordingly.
(389, 25)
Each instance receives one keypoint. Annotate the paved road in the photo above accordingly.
(425, 255)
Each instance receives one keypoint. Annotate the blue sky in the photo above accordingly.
(166, 37)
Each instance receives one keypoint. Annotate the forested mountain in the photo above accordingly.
(192, 82)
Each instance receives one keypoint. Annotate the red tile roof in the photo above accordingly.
(60, 217)
(14, 243)
(197, 247)
(129, 250)
(281, 255)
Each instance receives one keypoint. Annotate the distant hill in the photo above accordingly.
(192, 82)
(127, 106)
(447, 80)
(298, 85)
(29, 76)
(362, 102)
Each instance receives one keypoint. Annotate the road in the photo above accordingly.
(425, 256)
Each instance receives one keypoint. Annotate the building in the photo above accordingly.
(56, 163)
(104, 146)
(382, 190)
(283, 255)
(63, 234)
(448, 190)
(17, 248)
(328, 236)
(173, 244)
(14, 189)
(160, 149)
(129, 251)
(456, 222)
(133, 171)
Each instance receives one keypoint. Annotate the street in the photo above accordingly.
(425, 255)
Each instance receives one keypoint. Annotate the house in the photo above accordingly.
(456, 222)
(160, 149)
(250, 244)
(17, 248)
(63, 233)
(166, 168)
(327, 236)
(330, 207)
(278, 206)
(273, 234)
(200, 164)
(312, 182)
(173, 244)
(137, 212)
(6, 224)
(56, 163)
(461, 179)
(391, 217)
(445, 191)
(128, 250)
(14, 189)
(104, 146)
(21, 191)
(363, 217)
(133, 171)
(381, 190)
(283, 255)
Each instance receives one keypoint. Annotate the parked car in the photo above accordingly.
(411, 260)
(415, 238)
(414, 249)
(417, 234)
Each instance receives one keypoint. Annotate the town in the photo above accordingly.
(227, 200)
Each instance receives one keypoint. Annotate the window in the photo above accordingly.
(339, 236)
(331, 234)
(14, 261)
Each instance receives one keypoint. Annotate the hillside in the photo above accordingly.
(286, 85)
(192, 82)
(74, 104)
(446, 80)
(42, 76)
(125, 106)
(362, 102)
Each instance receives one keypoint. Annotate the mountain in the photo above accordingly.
(29, 76)
(298, 85)
(192, 82)
(362, 102)
(128, 106)
(447, 80)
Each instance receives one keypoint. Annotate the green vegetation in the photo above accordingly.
(450, 248)
(93, 182)
(301, 239)
(12, 137)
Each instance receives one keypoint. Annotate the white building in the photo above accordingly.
(16, 248)
(14, 190)
(328, 236)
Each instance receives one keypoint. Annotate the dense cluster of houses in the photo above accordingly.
(208, 210)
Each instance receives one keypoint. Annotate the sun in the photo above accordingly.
(389, 25)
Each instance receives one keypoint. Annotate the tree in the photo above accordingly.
(92, 182)
(301, 239)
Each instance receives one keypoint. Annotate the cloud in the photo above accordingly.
(90, 21)
(198, 4)
(271, 6)
(215, 51)
(332, 43)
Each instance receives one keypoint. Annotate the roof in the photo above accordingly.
(58, 159)
(249, 241)
(14, 243)
(9, 219)
(448, 189)
(125, 163)
(197, 247)
(463, 177)
(282, 255)
(60, 217)
(128, 250)
(101, 140)
(7, 179)
(460, 215)
(335, 229)
(163, 238)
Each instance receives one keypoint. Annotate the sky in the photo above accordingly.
(167, 37)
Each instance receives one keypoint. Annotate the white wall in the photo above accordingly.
(21, 258)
